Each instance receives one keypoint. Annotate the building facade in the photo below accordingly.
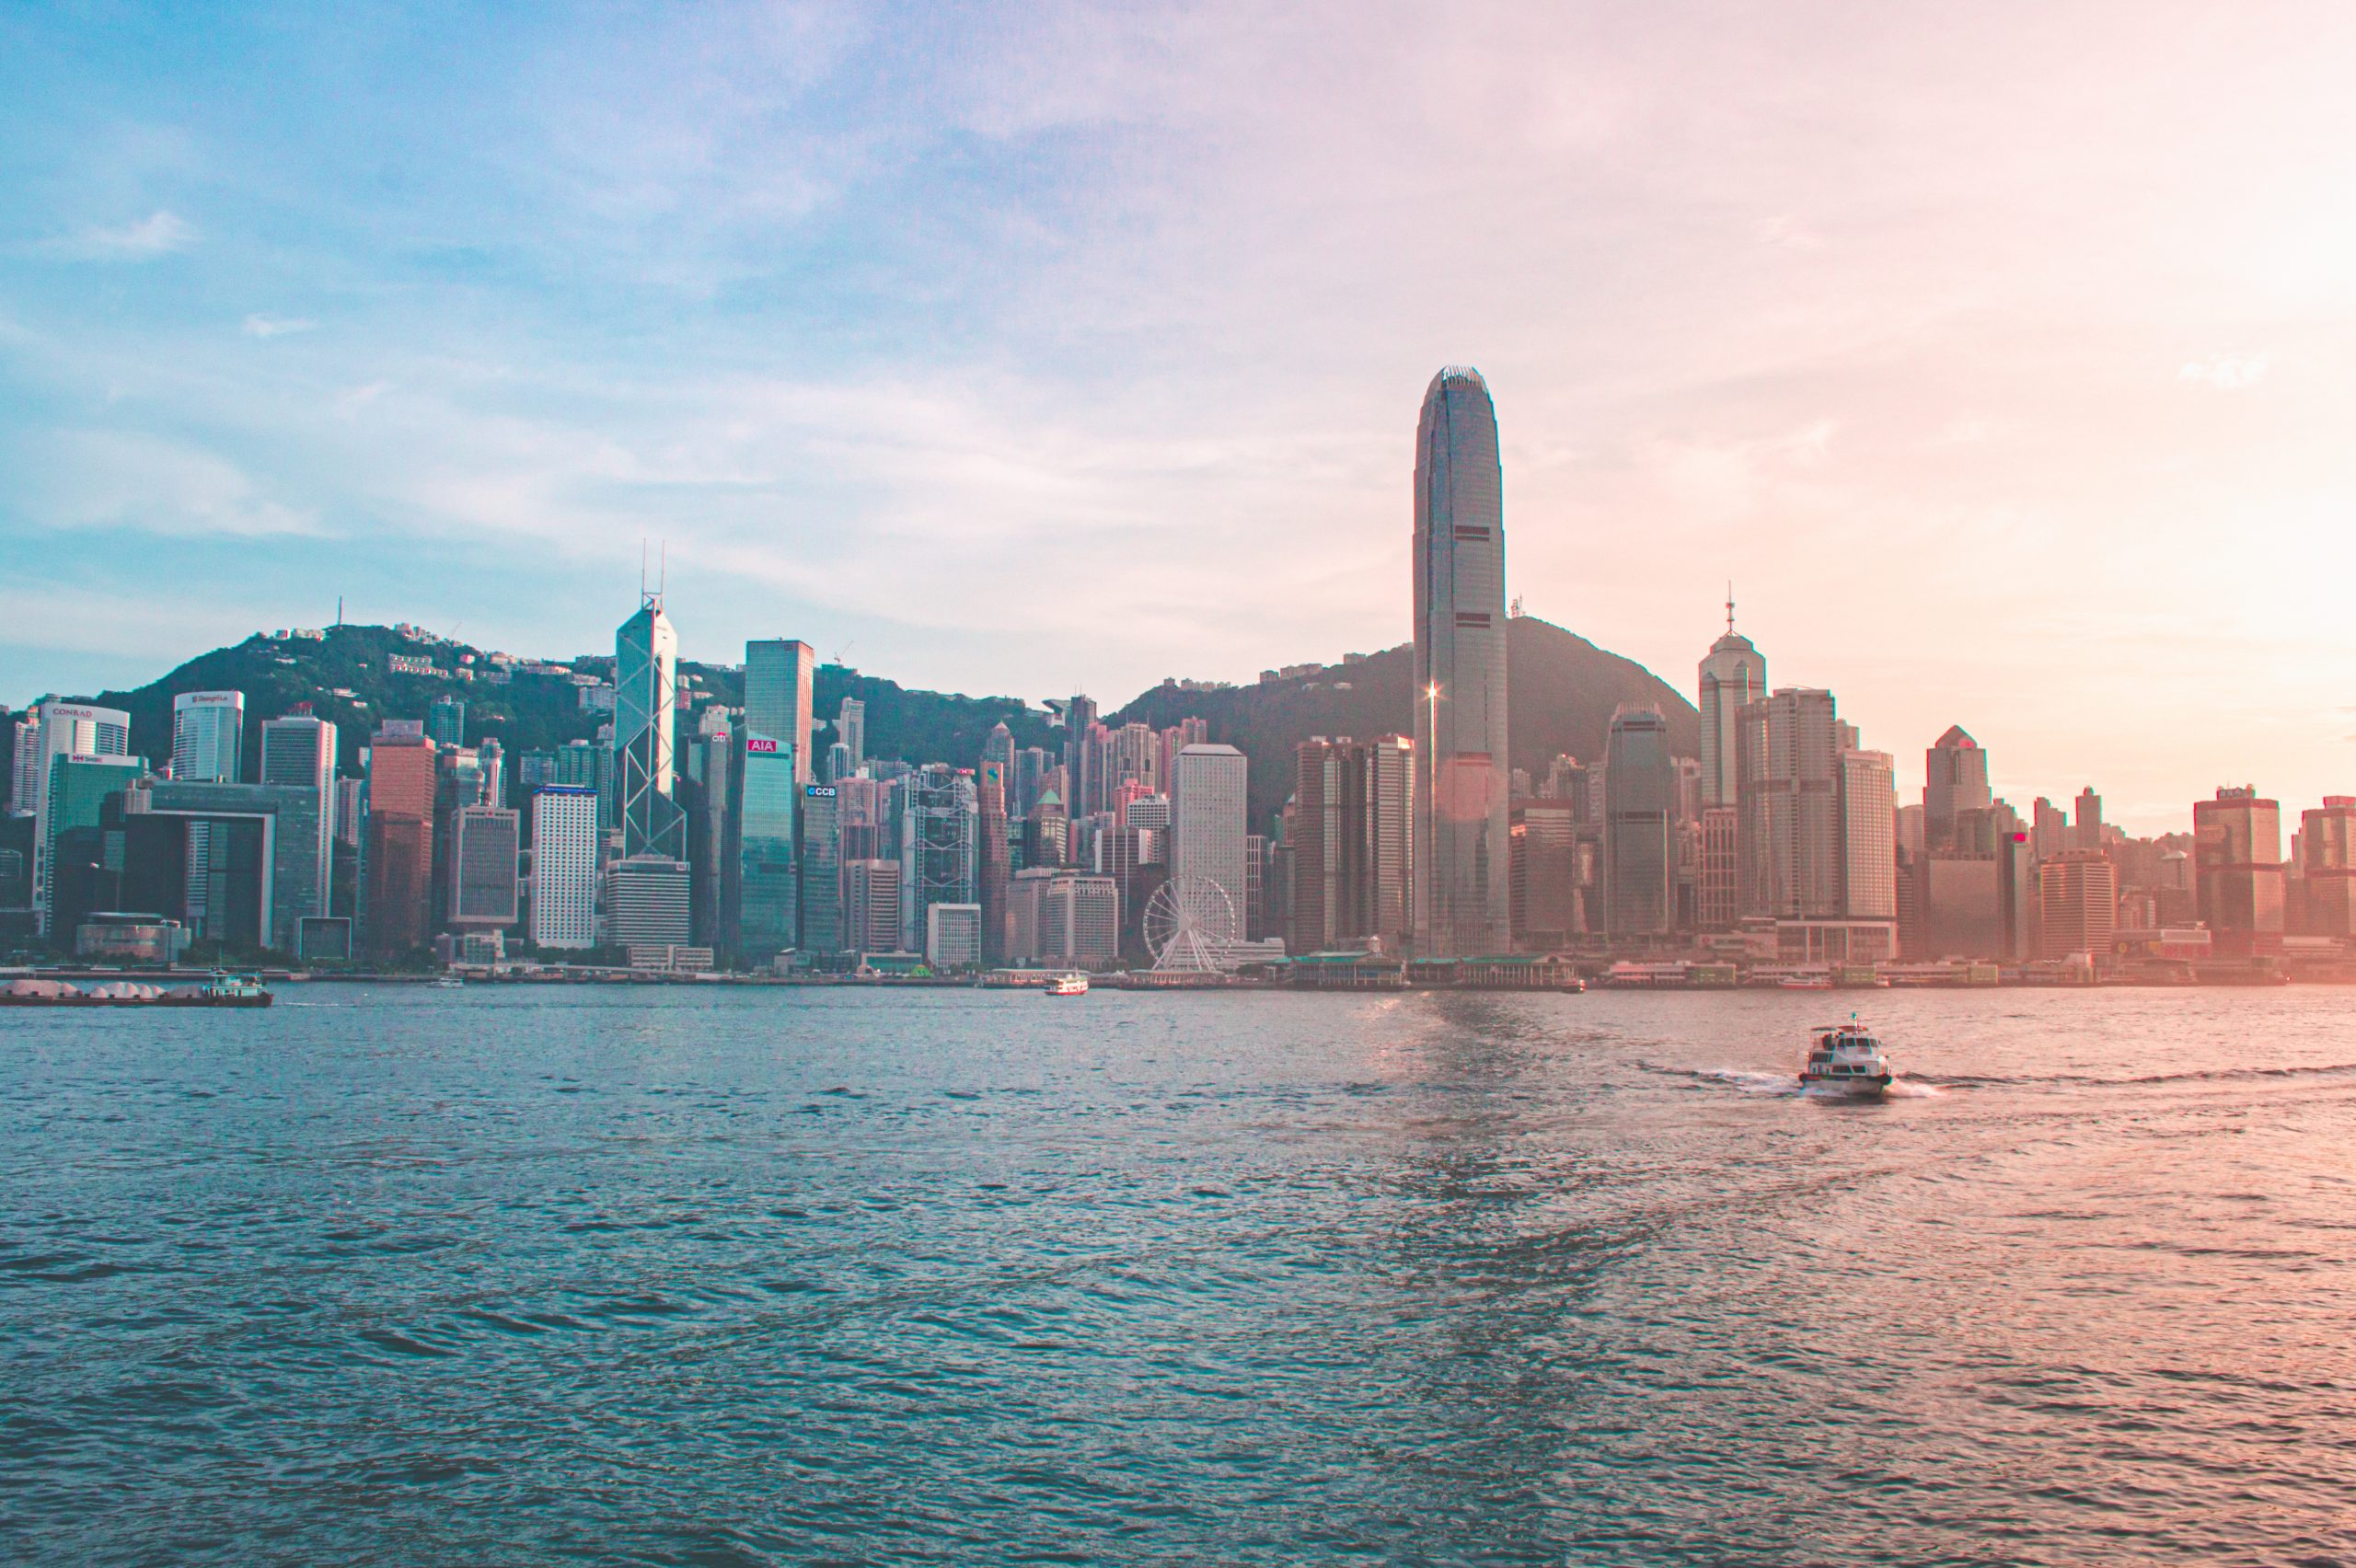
(398, 852)
(2237, 872)
(1733, 676)
(1206, 833)
(646, 700)
(1640, 819)
(565, 838)
(779, 678)
(208, 729)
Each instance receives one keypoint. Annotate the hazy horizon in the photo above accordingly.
(1994, 353)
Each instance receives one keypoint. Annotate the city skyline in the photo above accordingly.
(1963, 388)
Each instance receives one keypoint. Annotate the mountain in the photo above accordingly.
(1562, 691)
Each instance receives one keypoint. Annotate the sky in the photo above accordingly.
(1998, 353)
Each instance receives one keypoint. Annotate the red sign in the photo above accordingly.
(754, 744)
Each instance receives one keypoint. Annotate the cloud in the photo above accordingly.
(2226, 374)
(92, 478)
(159, 234)
(261, 326)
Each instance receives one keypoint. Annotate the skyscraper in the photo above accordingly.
(398, 856)
(445, 722)
(484, 890)
(1868, 806)
(67, 729)
(779, 678)
(994, 865)
(871, 906)
(822, 874)
(1734, 676)
(1955, 785)
(768, 878)
(1461, 853)
(298, 751)
(564, 866)
(2078, 899)
(2089, 825)
(1080, 718)
(1787, 750)
(939, 833)
(1207, 823)
(646, 697)
(2237, 864)
(208, 727)
(1639, 826)
(73, 803)
(850, 730)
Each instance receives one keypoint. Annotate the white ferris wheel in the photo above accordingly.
(1190, 925)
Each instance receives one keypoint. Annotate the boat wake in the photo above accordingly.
(1748, 1081)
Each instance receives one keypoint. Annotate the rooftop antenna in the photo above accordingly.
(1729, 606)
(661, 567)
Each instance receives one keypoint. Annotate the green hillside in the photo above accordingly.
(1565, 689)
(526, 712)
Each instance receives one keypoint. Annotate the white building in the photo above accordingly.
(67, 729)
(208, 727)
(564, 866)
(1868, 835)
(952, 935)
(647, 902)
(1207, 823)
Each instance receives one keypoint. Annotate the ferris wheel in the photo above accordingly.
(1190, 924)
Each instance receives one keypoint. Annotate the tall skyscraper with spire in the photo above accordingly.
(1461, 853)
(1734, 673)
(646, 698)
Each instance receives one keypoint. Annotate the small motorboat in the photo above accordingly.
(1845, 1058)
(447, 983)
(1072, 984)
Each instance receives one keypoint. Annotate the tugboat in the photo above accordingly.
(1072, 984)
(1845, 1058)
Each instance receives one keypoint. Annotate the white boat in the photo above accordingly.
(1074, 985)
(1845, 1058)
(447, 983)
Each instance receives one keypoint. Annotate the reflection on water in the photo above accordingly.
(732, 1277)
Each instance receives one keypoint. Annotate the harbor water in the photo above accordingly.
(720, 1275)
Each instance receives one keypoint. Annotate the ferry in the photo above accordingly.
(1072, 984)
(1845, 1058)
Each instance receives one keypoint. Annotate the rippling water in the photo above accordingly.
(762, 1276)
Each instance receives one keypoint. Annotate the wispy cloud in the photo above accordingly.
(2229, 374)
(98, 478)
(158, 234)
(261, 326)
